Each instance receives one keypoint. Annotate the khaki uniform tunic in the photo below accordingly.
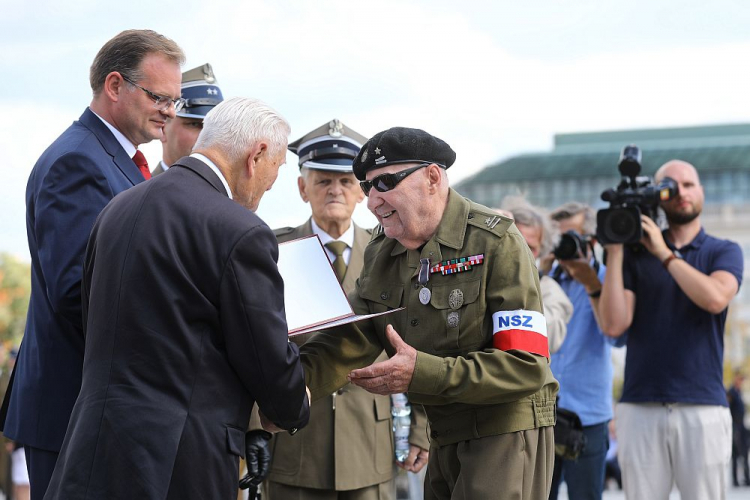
(469, 389)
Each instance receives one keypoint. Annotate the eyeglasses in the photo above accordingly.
(161, 102)
(386, 182)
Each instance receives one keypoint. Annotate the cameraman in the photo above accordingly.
(583, 364)
(673, 423)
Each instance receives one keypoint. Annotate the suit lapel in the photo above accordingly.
(356, 260)
(111, 146)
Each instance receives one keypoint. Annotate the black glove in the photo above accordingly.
(258, 458)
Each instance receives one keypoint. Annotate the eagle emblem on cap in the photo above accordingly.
(336, 128)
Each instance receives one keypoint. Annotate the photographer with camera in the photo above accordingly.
(582, 365)
(669, 296)
(542, 235)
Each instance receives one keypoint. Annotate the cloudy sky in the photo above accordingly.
(492, 78)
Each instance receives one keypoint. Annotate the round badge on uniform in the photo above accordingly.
(456, 299)
(453, 319)
(424, 295)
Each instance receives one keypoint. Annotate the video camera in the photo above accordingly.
(635, 195)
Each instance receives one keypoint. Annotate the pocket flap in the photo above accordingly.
(387, 294)
(236, 441)
(382, 408)
(469, 291)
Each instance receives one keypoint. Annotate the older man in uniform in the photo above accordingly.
(201, 93)
(469, 344)
(347, 453)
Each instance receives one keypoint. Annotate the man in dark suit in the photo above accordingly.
(168, 385)
(135, 79)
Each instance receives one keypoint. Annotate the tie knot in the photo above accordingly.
(337, 247)
(139, 159)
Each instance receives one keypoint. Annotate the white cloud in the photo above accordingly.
(493, 79)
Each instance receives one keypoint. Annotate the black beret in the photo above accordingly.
(401, 145)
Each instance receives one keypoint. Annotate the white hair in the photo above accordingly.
(238, 124)
(526, 214)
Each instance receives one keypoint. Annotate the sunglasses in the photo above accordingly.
(386, 182)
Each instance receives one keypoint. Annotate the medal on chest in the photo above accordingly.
(423, 278)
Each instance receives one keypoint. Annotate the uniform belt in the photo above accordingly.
(528, 413)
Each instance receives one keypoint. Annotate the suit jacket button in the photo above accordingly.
(415, 322)
(384, 295)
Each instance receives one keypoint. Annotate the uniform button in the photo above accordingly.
(414, 322)
(384, 295)
(340, 392)
(416, 286)
(434, 434)
(293, 431)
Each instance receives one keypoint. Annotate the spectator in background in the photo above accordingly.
(201, 93)
(739, 432)
(135, 79)
(669, 298)
(542, 235)
(583, 365)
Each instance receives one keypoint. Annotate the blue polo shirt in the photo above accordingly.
(676, 349)
(583, 364)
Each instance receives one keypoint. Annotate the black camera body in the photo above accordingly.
(572, 245)
(635, 195)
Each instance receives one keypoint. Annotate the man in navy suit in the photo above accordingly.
(135, 79)
(168, 384)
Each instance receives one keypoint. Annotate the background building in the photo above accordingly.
(583, 165)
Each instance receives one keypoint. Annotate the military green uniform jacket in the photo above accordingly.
(468, 387)
(351, 446)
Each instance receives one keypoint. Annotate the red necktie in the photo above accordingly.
(142, 164)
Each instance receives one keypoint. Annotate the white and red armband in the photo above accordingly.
(521, 330)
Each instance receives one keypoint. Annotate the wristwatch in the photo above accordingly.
(674, 255)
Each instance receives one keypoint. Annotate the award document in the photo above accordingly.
(313, 297)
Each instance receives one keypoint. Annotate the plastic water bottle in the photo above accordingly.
(401, 412)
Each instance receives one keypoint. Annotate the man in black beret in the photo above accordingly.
(470, 340)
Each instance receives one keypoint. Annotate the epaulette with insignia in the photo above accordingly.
(487, 219)
(282, 231)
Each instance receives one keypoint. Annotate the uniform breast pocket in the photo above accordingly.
(458, 316)
(382, 297)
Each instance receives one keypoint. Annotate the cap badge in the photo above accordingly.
(380, 160)
(335, 128)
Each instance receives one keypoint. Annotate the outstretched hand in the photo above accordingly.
(391, 376)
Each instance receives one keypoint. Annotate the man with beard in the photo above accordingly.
(673, 424)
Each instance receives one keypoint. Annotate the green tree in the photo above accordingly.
(15, 290)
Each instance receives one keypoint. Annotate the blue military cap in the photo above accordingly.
(332, 146)
(200, 91)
